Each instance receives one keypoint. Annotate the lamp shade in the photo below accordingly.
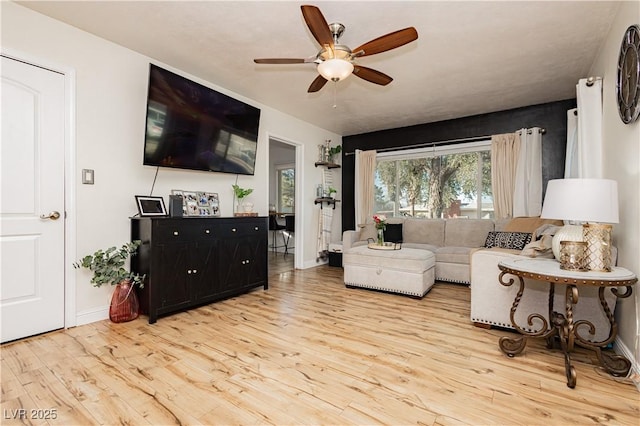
(335, 69)
(583, 200)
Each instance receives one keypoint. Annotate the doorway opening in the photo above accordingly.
(285, 244)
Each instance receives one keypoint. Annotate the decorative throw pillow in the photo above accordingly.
(393, 233)
(529, 224)
(508, 240)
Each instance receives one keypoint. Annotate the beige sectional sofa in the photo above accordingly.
(451, 240)
(458, 245)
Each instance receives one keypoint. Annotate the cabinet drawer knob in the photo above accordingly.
(188, 271)
(175, 233)
(233, 229)
(247, 261)
(195, 271)
(256, 228)
(206, 231)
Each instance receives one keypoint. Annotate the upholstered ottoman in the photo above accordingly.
(406, 271)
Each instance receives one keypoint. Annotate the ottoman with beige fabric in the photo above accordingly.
(406, 271)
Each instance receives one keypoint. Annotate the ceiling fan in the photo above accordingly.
(336, 61)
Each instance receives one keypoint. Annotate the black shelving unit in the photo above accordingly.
(326, 200)
(327, 164)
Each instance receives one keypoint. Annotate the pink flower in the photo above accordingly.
(380, 221)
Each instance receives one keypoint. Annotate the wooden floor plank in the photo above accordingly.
(307, 351)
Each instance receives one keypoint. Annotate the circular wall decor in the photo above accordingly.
(628, 82)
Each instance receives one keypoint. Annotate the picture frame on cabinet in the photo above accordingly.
(199, 203)
(191, 203)
(213, 203)
(150, 206)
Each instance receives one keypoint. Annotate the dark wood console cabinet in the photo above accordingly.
(192, 261)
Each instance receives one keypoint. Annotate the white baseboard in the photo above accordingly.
(93, 315)
(622, 349)
(312, 263)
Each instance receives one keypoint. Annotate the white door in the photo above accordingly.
(32, 200)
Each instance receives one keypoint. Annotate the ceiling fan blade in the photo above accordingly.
(387, 42)
(317, 25)
(371, 75)
(279, 61)
(317, 84)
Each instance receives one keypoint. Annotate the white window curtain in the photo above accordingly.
(527, 194)
(364, 186)
(505, 151)
(571, 163)
(584, 158)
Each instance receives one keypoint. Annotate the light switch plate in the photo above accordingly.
(87, 176)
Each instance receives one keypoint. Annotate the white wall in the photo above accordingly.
(622, 162)
(111, 90)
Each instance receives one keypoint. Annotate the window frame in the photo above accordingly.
(278, 168)
(436, 151)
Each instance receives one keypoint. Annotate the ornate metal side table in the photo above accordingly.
(562, 325)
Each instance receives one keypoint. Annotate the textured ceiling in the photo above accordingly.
(470, 57)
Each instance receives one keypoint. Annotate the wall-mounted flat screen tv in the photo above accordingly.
(190, 126)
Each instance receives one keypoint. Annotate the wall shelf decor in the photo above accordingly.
(326, 200)
(327, 164)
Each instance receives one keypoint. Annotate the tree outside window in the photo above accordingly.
(433, 185)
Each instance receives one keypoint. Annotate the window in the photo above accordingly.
(285, 177)
(447, 181)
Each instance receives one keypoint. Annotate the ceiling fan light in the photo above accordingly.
(335, 69)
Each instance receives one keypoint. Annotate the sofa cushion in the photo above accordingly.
(450, 254)
(508, 240)
(393, 232)
(424, 231)
(499, 224)
(421, 246)
(467, 232)
(529, 224)
(413, 261)
(368, 231)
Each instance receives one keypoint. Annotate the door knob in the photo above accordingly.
(54, 215)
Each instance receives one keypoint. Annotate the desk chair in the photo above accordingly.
(274, 227)
(290, 228)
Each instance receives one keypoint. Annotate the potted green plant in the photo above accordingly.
(332, 191)
(108, 268)
(240, 194)
(333, 151)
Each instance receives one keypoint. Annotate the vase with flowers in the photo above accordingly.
(380, 222)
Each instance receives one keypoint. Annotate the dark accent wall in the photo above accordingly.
(550, 116)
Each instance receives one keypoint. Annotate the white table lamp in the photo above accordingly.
(592, 202)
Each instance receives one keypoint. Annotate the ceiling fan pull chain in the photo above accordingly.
(335, 95)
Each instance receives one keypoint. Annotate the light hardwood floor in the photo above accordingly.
(306, 351)
(279, 263)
